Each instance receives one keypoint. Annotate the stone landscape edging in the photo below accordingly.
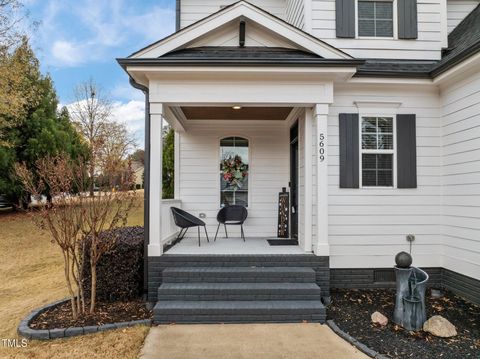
(46, 334)
(360, 346)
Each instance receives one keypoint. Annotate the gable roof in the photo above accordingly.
(463, 42)
(238, 10)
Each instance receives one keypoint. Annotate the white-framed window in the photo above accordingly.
(375, 18)
(234, 171)
(377, 152)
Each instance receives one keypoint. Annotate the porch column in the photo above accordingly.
(176, 163)
(308, 176)
(155, 247)
(320, 112)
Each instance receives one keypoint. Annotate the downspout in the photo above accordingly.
(146, 194)
(177, 15)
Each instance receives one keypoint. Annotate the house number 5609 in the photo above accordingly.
(321, 147)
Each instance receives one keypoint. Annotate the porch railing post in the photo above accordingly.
(321, 120)
(155, 247)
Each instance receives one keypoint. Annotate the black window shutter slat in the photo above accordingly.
(407, 19)
(345, 18)
(406, 152)
(349, 150)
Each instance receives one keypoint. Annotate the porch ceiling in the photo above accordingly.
(244, 113)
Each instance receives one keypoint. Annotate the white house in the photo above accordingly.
(367, 111)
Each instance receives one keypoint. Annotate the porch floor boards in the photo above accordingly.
(231, 245)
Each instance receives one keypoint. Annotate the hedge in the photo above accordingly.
(120, 270)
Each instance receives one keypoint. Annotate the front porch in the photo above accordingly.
(231, 246)
(274, 160)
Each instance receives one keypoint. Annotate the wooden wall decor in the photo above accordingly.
(283, 214)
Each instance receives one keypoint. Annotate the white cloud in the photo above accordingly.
(67, 53)
(98, 29)
(132, 114)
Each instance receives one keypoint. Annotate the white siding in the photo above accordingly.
(194, 10)
(457, 10)
(295, 13)
(461, 175)
(367, 227)
(269, 171)
(427, 46)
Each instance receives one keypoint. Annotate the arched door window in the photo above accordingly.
(233, 171)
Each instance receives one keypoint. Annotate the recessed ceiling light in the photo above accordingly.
(237, 107)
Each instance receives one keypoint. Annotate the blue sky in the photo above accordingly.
(78, 40)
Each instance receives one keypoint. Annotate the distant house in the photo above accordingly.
(367, 111)
(138, 169)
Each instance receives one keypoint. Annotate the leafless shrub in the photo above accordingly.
(73, 216)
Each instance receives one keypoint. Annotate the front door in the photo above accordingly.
(294, 181)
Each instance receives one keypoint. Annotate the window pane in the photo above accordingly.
(384, 10)
(369, 124)
(241, 198)
(385, 142)
(369, 142)
(366, 9)
(226, 198)
(377, 170)
(369, 178)
(233, 171)
(385, 124)
(384, 178)
(383, 28)
(375, 18)
(366, 28)
(369, 161)
(384, 161)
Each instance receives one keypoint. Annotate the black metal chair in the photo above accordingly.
(233, 215)
(185, 220)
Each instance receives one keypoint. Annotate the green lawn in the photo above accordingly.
(32, 275)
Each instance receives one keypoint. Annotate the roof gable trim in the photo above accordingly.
(233, 12)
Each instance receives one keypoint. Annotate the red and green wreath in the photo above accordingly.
(234, 171)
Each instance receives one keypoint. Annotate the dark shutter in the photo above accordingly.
(345, 18)
(407, 19)
(349, 150)
(406, 152)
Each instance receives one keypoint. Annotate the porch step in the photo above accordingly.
(238, 295)
(238, 275)
(238, 291)
(239, 311)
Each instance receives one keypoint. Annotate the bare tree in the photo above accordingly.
(78, 222)
(64, 217)
(115, 151)
(91, 114)
(12, 14)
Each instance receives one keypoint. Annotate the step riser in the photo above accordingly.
(212, 319)
(194, 297)
(235, 279)
(197, 311)
(239, 275)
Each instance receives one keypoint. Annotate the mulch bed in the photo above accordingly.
(351, 311)
(106, 313)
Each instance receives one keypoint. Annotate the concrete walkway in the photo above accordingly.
(265, 341)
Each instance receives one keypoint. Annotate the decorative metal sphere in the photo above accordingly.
(403, 260)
